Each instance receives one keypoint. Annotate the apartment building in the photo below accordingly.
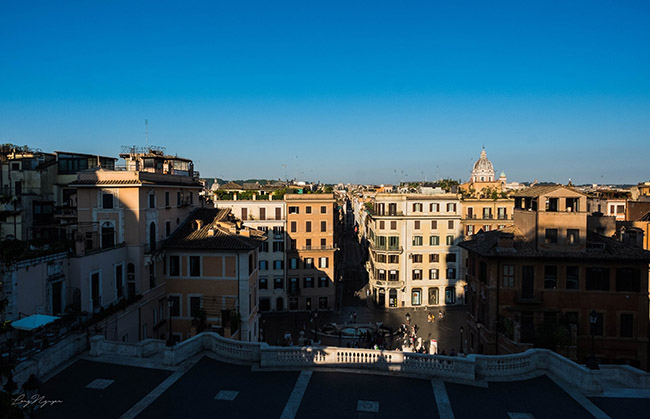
(486, 214)
(549, 282)
(269, 217)
(414, 254)
(136, 209)
(212, 277)
(311, 251)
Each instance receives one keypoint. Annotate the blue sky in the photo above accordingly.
(362, 91)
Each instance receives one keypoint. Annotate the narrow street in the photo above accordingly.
(352, 299)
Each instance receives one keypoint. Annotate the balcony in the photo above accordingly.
(471, 217)
(488, 216)
(504, 217)
(319, 248)
(387, 284)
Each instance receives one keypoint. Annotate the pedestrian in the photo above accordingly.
(350, 318)
(354, 315)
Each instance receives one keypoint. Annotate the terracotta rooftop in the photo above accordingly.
(217, 231)
(230, 185)
(598, 247)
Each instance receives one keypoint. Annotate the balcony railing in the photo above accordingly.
(387, 284)
(488, 216)
(504, 216)
(318, 248)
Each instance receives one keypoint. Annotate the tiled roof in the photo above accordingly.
(536, 191)
(230, 185)
(645, 217)
(598, 247)
(224, 236)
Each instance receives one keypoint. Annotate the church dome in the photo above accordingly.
(483, 170)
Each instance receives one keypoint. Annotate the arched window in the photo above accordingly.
(108, 235)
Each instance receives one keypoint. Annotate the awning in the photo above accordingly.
(33, 322)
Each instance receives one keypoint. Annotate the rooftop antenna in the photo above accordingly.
(146, 133)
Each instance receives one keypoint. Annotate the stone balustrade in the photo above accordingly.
(533, 362)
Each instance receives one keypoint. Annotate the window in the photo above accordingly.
(308, 243)
(308, 282)
(195, 265)
(433, 274)
(393, 275)
(597, 279)
(508, 276)
(293, 244)
(393, 258)
(195, 306)
(434, 225)
(323, 209)
(627, 325)
(382, 225)
(417, 274)
(309, 263)
(174, 266)
(278, 264)
(416, 296)
(322, 303)
(191, 198)
(323, 262)
(277, 283)
(450, 258)
(264, 265)
(417, 258)
(262, 213)
(450, 240)
(294, 288)
(278, 230)
(550, 277)
(278, 246)
(450, 224)
(433, 296)
(393, 225)
(264, 283)
(551, 236)
(416, 225)
(168, 228)
(451, 273)
(294, 227)
(573, 236)
(417, 207)
(293, 210)
(107, 200)
(167, 199)
(628, 279)
(308, 226)
(293, 263)
(434, 208)
(264, 247)
(176, 305)
(434, 240)
(450, 295)
(434, 258)
(380, 257)
(393, 242)
(108, 235)
(307, 210)
(417, 240)
(178, 199)
(323, 226)
(323, 282)
(552, 204)
(152, 200)
(572, 278)
(620, 209)
(323, 243)
(451, 207)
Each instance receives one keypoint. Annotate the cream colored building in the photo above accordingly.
(414, 257)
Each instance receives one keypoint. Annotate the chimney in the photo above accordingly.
(211, 232)
(199, 224)
(506, 241)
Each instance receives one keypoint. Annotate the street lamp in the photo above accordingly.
(170, 339)
(461, 339)
(592, 364)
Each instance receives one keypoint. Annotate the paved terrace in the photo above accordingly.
(209, 376)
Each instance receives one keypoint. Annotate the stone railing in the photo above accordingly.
(533, 362)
